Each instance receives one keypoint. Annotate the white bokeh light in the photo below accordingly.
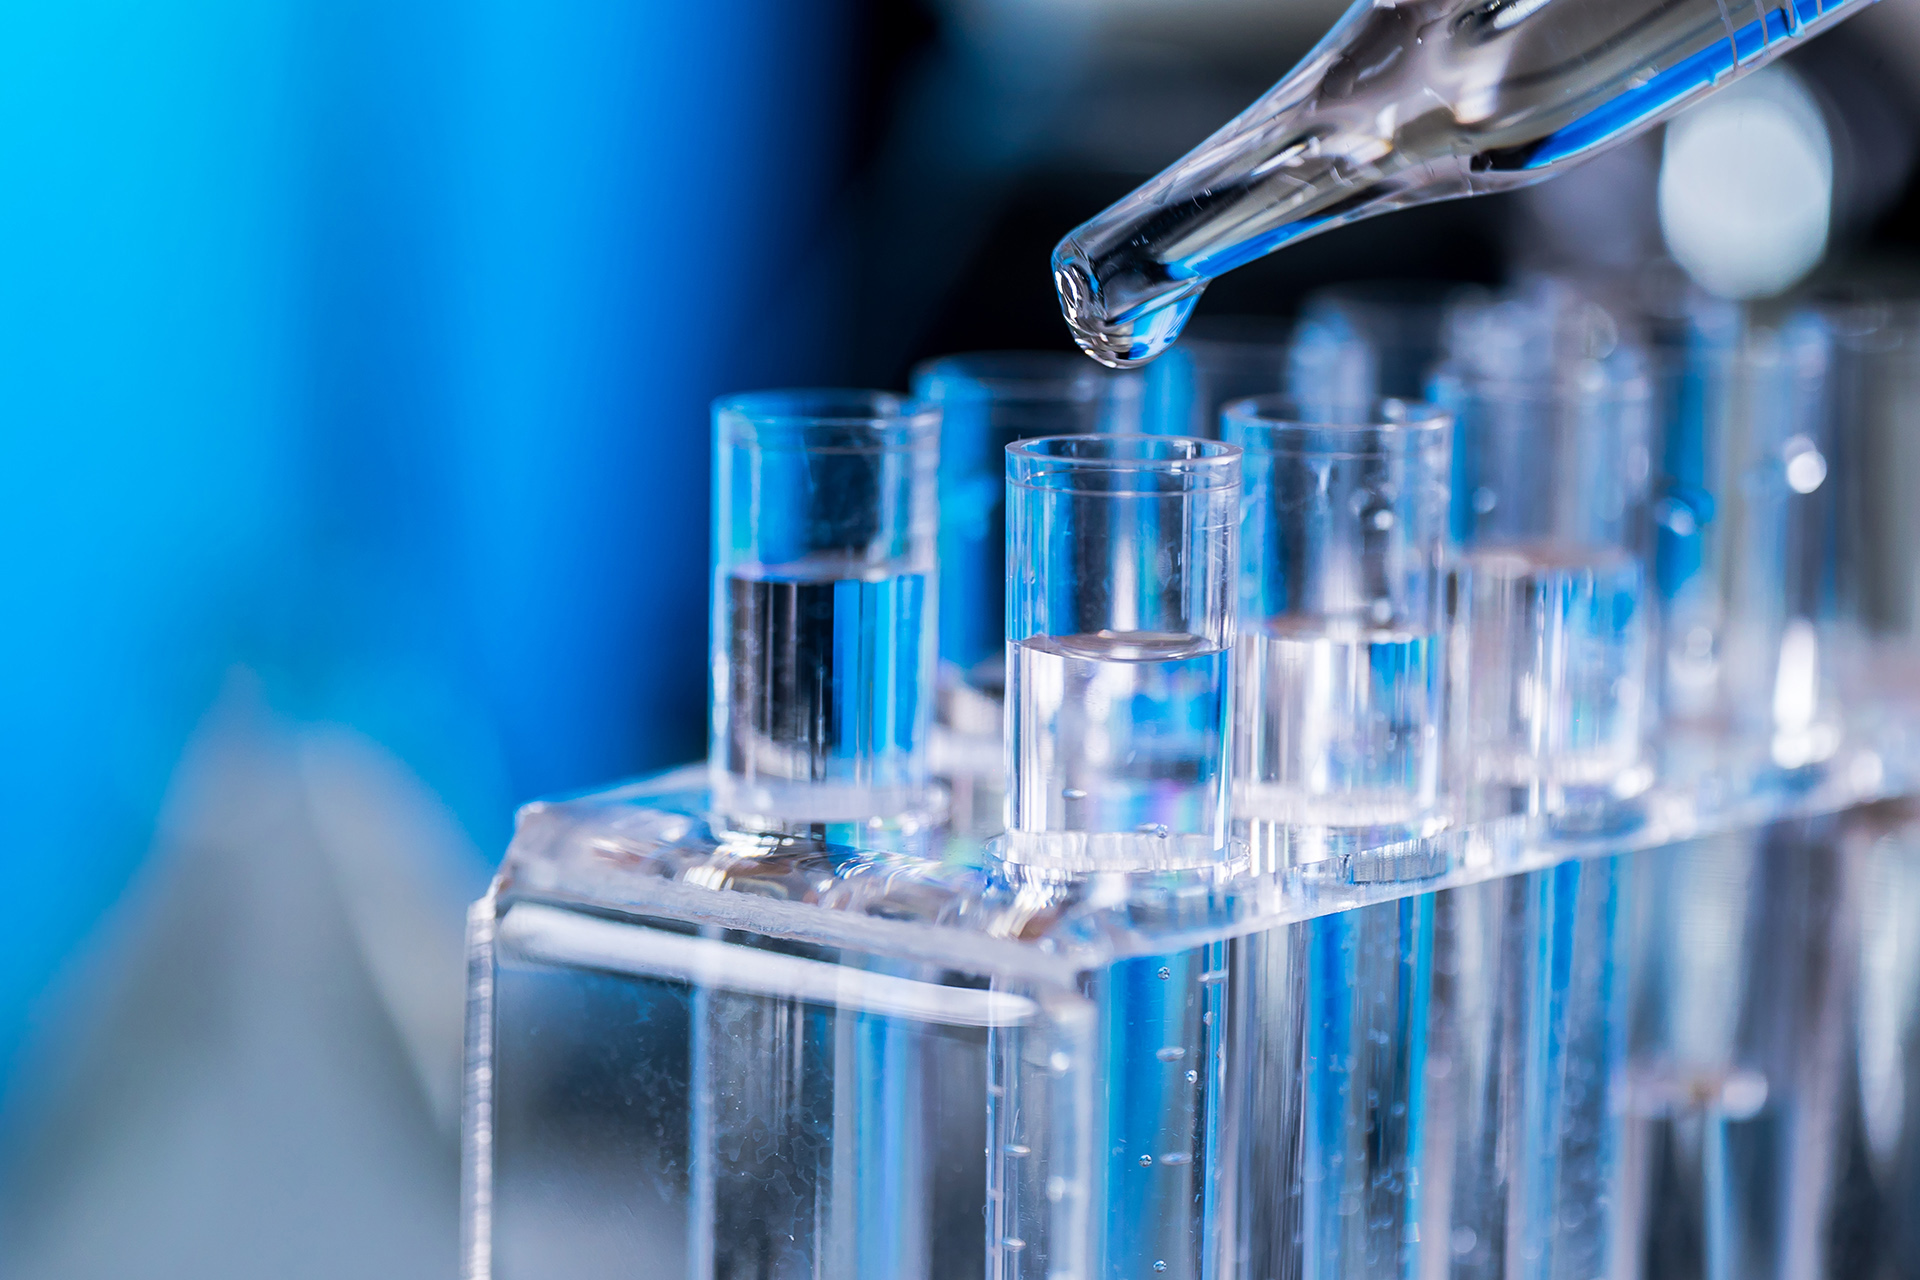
(1746, 186)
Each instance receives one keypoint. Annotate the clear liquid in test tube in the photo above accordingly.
(823, 605)
(1547, 598)
(1119, 635)
(1338, 659)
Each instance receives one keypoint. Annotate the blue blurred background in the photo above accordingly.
(354, 362)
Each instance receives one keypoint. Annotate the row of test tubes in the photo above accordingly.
(1294, 633)
(1426, 560)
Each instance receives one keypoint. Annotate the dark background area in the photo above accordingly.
(1149, 88)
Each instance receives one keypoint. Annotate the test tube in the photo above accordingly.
(823, 604)
(1876, 455)
(1748, 537)
(1343, 535)
(1698, 514)
(988, 400)
(1119, 631)
(1781, 557)
(1548, 628)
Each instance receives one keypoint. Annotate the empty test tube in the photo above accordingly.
(823, 604)
(1548, 627)
(1119, 631)
(1338, 671)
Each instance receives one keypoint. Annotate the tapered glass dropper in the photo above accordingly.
(1403, 104)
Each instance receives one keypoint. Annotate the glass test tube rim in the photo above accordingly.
(827, 420)
(1051, 462)
(1275, 425)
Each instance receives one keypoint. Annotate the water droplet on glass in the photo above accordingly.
(1160, 1265)
(1145, 1161)
(1165, 973)
(1072, 793)
(1192, 1075)
(1172, 1053)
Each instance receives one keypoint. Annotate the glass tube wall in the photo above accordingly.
(1338, 681)
(1549, 611)
(823, 603)
(1119, 627)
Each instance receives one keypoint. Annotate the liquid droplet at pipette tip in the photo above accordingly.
(1148, 329)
